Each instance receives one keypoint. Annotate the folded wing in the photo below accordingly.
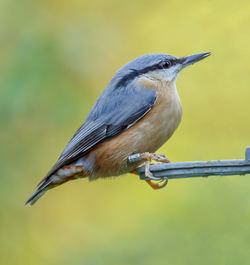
(114, 112)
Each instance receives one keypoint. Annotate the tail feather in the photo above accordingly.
(38, 193)
(42, 182)
(35, 196)
(65, 174)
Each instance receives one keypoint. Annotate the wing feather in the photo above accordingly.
(115, 111)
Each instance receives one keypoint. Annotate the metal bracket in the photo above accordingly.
(247, 156)
(199, 169)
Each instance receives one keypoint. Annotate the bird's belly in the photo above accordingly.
(155, 131)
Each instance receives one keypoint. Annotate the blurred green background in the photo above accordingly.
(56, 58)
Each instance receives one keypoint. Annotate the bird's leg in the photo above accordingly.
(147, 158)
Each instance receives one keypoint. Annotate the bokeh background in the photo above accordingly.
(56, 58)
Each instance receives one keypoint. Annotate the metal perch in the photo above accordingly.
(199, 169)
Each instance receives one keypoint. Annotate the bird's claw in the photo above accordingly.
(164, 182)
(161, 158)
(157, 186)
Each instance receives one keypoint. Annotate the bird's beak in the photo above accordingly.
(188, 60)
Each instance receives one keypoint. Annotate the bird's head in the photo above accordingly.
(157, 66)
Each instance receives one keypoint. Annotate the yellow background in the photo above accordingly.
(55, 59)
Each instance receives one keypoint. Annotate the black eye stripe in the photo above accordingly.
(135, 73)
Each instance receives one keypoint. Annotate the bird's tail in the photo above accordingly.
(65, 174)
(39, 192)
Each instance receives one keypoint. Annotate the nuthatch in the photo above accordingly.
(136, 114)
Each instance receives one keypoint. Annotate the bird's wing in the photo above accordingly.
(115, 111)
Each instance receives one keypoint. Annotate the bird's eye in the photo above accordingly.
(166, 64)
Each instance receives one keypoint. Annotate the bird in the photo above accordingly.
(136, 113)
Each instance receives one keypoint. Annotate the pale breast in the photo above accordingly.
(161, 122)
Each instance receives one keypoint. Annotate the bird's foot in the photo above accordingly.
(147, 158)
(159, 158)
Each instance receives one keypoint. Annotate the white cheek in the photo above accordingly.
(170, 74)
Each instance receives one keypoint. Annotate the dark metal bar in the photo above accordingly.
(199, 169)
